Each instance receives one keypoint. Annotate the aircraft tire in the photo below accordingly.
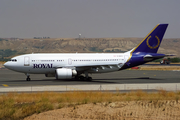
(81, 77)
(28, 79)
(89, 78)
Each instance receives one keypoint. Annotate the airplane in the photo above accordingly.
(73, 65)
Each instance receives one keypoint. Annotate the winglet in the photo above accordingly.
(152, 41)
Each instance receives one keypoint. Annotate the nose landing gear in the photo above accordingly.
(28, 77)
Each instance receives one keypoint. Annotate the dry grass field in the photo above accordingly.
(90, 106)
(160, 67)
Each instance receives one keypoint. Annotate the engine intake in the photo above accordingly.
(65, 73)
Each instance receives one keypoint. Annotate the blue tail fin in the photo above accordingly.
(152, 41)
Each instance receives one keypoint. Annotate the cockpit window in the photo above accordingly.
(13, 60)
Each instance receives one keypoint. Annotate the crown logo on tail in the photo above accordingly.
(153, 47)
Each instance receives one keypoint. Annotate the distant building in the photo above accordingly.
(37, 37)
(41, 37)
(14, 38)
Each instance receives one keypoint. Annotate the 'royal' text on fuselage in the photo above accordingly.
(42, 65)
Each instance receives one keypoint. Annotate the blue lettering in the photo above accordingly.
(42, 65)
(35, 65)
(49, 65)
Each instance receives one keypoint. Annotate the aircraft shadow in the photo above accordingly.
(74, 81)
(110, 81)
(140, 78)
(80, 82)
(26, 81)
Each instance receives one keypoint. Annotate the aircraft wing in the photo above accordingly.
(94, 67)
(99, 65)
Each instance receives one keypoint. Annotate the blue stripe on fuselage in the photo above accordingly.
(138, 59)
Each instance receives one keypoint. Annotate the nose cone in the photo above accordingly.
(10, 65)
(6, 64)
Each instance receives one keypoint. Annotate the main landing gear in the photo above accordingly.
(87, 77)
(80, 77)
(83, 78)
(28, 77)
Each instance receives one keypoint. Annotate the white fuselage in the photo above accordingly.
(48, 63)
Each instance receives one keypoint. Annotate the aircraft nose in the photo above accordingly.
(11, 65)
(6, 64)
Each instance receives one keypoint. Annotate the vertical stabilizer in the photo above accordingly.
(152, 41)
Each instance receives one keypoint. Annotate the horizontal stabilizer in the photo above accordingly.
(169, 55)
(155, 56)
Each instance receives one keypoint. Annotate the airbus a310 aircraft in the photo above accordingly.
(73, 65)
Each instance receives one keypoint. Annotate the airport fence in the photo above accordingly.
(97, 87)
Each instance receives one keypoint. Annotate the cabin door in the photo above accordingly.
(26, 61)
(70, 61)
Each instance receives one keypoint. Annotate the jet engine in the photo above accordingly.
(65, 73)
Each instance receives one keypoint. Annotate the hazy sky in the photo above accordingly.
(91, 18)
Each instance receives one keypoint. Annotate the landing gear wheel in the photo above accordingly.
(28, 79)
(89, 78)
(81, 77)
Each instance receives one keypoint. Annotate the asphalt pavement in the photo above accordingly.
(14, 79)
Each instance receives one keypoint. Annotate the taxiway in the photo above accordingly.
(14, 79)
